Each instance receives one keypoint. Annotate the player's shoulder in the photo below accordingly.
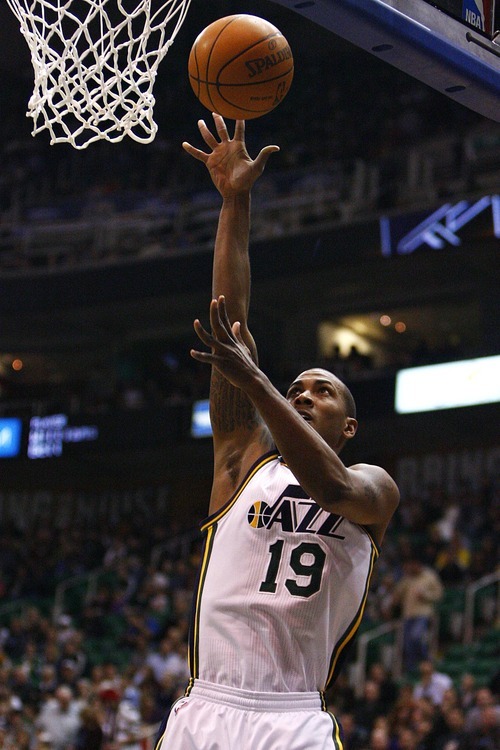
(380, 487)
(379, 478)
(373, 470)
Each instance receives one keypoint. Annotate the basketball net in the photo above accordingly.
(95, 64)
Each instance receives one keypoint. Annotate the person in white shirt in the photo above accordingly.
(60, 719)
(167, 661)
(432, 684)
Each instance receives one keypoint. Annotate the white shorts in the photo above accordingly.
(216, 717)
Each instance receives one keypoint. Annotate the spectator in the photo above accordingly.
(387, 687)
(73, 656)
(59, 719)
(17, 724)
(416, 594)
(110, 677)
(341, 698)
(379, 739)
(15, 642)
(484, 699)
(89, 735)
(65, 629)
(167, 660)
(128, 726)
(68, 674)
(50, 655)
(34, 626)
(354, 737)
(453, 561)
(449, 732)
(121, 721)
(23, 687)
(30, 662)
(109, 696)
(494, 683)
(151, 712)
(369, 707)
(407, 739)
(486, 735)
(450, 699)
(401, 713)
(84, 692)
(432, 684)
(423, 728)
(48, 681)
(467, 691)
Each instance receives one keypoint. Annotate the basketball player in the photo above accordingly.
(292, 533)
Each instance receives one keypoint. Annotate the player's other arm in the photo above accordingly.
(363, 494)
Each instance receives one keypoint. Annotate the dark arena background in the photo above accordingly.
(375, 248)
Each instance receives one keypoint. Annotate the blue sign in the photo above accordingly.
(405, 233)
(200, 419)
(47, 435)
(473, 14)
(10, 437)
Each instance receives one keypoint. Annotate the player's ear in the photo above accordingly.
(350, 427)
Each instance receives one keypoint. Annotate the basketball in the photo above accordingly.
(241, 67)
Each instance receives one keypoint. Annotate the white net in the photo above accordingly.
(95, 64)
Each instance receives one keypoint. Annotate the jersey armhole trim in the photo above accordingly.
(376, 547)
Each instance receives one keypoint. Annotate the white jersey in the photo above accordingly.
(281, 590)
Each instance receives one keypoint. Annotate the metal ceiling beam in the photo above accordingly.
(420, 40)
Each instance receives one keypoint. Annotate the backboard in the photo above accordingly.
(455, 57)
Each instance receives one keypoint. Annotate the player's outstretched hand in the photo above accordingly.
(229, 354)
(230, 166)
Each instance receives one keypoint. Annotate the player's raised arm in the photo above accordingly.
(233, 173)
(239, 434)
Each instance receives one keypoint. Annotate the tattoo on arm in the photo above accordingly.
(371, 493)
(230, 409)
(381, 491)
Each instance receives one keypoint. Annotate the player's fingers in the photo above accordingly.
(220, 126)
(264, 155)
(236, 329)
(223, 316)
(207, 135)
(202, 334)
(192, 151)
(217, 321)
(239, 130)
(222, 310)
(201, 356)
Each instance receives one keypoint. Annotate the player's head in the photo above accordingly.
(326, 403)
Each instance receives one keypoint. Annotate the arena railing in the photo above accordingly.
(471, 595)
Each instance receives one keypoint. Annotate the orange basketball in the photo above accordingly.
(240, 66)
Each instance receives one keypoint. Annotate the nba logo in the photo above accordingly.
(473, 13)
